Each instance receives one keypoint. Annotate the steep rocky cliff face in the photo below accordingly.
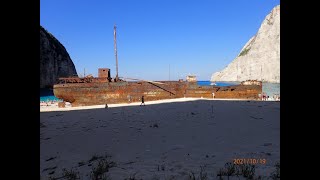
(259, 59)
(55, 61)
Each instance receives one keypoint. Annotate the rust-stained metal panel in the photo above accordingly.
(99, 92)
(104, 73)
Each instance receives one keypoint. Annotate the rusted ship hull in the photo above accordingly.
(107, 90)
(84, 94)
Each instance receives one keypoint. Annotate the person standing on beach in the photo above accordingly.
(142, 101)
(129, 98)
(212, 95)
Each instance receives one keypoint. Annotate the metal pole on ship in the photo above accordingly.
(115, 50)
(169, 72)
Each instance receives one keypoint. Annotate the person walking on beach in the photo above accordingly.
(142, 101)
(263, 96)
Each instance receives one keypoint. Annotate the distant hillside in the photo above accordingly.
(55, 61)
(260, 58)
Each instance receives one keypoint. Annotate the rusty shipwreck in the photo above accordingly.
(104, 89)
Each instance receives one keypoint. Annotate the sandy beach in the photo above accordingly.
(167, 139)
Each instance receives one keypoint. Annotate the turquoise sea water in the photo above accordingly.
(47, 95)
(269, 88)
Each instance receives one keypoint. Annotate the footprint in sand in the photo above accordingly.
(50, 168)
(52, 158)
(267, 144)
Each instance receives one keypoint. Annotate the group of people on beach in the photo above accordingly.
(276, 97)
(48, 102)
(265, 97)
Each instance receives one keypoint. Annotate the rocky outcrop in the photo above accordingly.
(259, 59)
(55, 61)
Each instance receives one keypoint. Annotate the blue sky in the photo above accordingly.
(190, 36)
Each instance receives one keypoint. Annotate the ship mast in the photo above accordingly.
(115, 50)
(169, 72)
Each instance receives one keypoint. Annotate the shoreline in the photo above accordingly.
(54, 106)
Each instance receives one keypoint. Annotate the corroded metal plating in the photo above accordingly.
(95, 91)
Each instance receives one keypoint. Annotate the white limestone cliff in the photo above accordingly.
(259, 59)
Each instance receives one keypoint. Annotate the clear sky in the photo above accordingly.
(156, 39)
